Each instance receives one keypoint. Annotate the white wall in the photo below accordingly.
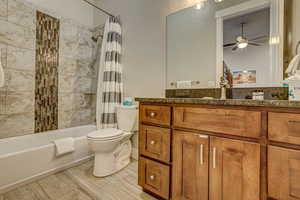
(77, 10)
(143, 43)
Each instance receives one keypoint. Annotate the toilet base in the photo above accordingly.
(106, 164)
(103, 170)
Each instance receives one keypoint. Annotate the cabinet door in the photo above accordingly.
(190, 166)
(234, 170)
(284, 173)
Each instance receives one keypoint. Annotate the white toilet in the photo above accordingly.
(113, 147)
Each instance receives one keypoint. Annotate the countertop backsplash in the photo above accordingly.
(270, 93)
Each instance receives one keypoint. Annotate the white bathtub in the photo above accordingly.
(26, 158)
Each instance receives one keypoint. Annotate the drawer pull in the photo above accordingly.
(152, 114)
(201, 136)
(201, 155)
(152, 142)
(214, 158)
(293, 121)
(152, 177)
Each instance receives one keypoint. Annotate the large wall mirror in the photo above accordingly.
(242, 40)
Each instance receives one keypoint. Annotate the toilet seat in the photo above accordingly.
(105, 134)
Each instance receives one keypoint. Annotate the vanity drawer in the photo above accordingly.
(156, 114)
(284, 127)
(227, 121)
(155, 142)
(154, 177)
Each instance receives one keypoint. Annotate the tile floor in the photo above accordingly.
(78, 183)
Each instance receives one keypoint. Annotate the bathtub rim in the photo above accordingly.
(51, 144)
(30, 149)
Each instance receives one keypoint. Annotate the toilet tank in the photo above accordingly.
(127, 118)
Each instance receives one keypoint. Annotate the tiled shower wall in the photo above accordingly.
(76, 75)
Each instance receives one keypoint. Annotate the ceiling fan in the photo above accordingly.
(242, 42)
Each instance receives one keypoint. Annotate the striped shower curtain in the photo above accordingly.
(110, 85)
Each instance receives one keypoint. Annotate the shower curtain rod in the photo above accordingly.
(99, 8)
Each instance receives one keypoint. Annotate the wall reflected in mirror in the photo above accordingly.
(246, 48)
(239, 39)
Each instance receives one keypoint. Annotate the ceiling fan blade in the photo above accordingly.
(254, 44)
(235, 48)
(260, 38)
(229, 45)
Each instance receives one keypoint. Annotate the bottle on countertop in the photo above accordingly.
(128, 101)
(258, 95)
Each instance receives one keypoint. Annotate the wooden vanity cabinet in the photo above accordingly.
(155, 142)
(284, 162)
(157, 115)
(219, 152)
(155, 149)
(284, 127)
(234, 170)
(228, 121)
(154, 177)
(190, 166)
(284, 173)
(214, 168)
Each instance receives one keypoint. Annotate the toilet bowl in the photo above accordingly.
(112, 147)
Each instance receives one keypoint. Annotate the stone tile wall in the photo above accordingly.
(76, 76)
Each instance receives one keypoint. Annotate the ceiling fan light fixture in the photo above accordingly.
(218, 1)
(200, 4)
(274, 40)
(242, 45)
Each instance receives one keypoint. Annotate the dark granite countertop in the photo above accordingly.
(227, 102)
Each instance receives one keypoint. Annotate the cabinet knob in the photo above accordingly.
(152, 142)
(152, 177)
(152, 114)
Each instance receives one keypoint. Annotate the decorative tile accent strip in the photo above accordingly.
(46, 79)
